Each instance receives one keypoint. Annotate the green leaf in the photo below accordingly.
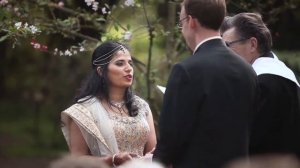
(2, 14)
(116, 28)
(4, 37)
(128, 26)
(101, 19)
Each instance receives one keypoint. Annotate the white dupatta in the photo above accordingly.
(94, 124)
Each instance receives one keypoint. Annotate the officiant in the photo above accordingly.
(276, 126)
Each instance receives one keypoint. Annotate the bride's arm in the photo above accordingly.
(151, 142)
(79, 147)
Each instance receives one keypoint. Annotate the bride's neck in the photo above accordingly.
(117, 95)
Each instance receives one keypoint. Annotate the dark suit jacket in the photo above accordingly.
(205, 116)
(276, 127)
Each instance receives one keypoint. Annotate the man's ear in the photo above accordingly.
(194, 23)
(253, 43)
(99, 71)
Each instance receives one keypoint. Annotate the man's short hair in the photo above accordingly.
(249, 25)
(210, 13)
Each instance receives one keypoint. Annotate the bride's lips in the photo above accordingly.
(128, 77)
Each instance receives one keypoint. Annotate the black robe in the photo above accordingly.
(276, 126)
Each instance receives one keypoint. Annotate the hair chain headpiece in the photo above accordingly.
(100, 59)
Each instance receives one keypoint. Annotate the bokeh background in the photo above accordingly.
(41, 67)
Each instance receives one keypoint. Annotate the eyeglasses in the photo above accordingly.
(229, 43)
(179, 24)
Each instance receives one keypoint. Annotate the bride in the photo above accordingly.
(108, 122)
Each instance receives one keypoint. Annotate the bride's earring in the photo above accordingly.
(99, 71)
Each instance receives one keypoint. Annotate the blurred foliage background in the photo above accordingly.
(41, 67)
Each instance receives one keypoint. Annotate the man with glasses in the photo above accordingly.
(276, 126)
(209, 96)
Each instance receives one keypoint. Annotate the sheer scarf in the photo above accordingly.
(94, 124)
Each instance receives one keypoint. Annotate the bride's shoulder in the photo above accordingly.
(139, 100)
(142, 104)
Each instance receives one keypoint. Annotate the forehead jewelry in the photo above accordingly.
(111, 53)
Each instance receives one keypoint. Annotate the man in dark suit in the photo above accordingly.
(209, 96)
(276, 126)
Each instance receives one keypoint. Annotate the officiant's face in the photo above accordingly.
(240, 45)
(120, 70)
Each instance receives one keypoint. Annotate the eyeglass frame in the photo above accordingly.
(229, 43)
(180, 24)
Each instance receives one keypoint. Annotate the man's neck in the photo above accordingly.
(203, 35)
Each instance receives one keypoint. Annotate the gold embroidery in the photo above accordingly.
(78, 111)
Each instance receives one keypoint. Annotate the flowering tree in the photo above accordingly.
(84, 24)
(29, 19)
(45, 44)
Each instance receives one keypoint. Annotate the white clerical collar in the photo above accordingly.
(267, 65)
(205, 40)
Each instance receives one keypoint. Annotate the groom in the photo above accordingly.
(209, 97)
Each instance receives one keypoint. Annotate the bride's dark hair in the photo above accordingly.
(97, 85)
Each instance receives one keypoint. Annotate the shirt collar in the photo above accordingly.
(205, 40)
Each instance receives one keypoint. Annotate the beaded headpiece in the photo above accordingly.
(100, 59)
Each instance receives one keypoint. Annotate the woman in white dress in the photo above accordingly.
(108, 122)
